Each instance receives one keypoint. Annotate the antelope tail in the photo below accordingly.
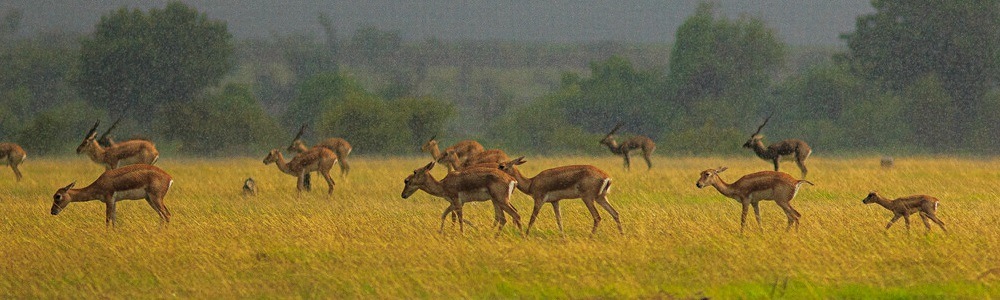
(803, 181)
(605, 187)
(510, 188)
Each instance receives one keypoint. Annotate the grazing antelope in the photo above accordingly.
(316, 159)
(750, 189)
(637, 142)
(339, 146)
(474, 184)
(462, 151)
(568, 182)
(887, 162)
(491, 158)
(905, 206)
(12, 155)
(130, 182)
(776, 151)
(124, 153)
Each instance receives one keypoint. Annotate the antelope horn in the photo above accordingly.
(762, 125)
(301, 131)
(93, 130)
(113, 125)
(433, 137)
(619, 126)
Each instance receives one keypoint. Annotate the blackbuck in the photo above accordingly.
(316, 159)
(780, 150)
(123, 153)
(470, 185)
(906, 206)
(12, 155)
(637, 142)
(132, 182)
(489, 158)
(567, 182)
(750, 189)
(461, 150)
(340, 147)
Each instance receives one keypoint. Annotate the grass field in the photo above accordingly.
(367, 242)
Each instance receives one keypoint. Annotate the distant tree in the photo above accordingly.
(713, 57)
(318, 94)
(225, 122)
(371, 124)
(136, 62)
(425, 117)
(615, 92)
(58, 130)
(902, 42)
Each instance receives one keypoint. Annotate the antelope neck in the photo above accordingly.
(84, 194)
(434, 187)
(724, 187)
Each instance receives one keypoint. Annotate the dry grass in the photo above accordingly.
(366, 242)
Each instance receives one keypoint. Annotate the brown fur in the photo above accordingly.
(492, 156)
(316, 159)
(777, 151)
(462, 151)
(638, 142)
(114, 156)
(340, 147)
(567, 182)
(12, 155)
(750, 189)
(906, 206)
(458, 187)
(130, 182)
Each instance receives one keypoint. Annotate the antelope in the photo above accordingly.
(567, 182)
(124, 153)
(12, 155)
(339, 146)
(905, 206)
(462, 150)
(776, 151)
(316, 159)
(750, 189)
(130, 182)
(637, 142)
(489, 158)
(474, 184)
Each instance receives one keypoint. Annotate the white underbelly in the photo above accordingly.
(475, 195)
(570, 193)
(134, 194)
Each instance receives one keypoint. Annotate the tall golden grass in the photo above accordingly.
(367, 242)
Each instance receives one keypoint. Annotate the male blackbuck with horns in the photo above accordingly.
(12, 155)
(469, 185)
(340, 147)
(567, 182)
(453, 156)
(130, 182)
(750, 189)
(637, 142)
(316, 159)
(124, 153)
(777, 151)
(906, 206)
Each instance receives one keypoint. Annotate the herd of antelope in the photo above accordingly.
(474, 174)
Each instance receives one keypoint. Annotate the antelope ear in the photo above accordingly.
(519, 160)
(429, 166)
(721, 169)
(71, 185)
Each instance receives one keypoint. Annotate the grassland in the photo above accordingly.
(366, 242)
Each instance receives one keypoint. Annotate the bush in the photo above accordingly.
(229, 122)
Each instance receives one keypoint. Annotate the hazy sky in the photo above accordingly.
(798, 22)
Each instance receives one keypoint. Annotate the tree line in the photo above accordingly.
(913, 78)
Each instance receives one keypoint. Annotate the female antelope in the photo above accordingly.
(906, 206)
(130, 182)
(750, 189)
(462, 151)
(12, 155)
(316, 159)
(568, 182)
(473, 184)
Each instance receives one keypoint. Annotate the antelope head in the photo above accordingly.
(509, 165)
(61, 199)
(609, 139)
(87, 139)
(756, 137)
(413, 182)
(297, 141)
(272, 157)
(708, 177)
(872, 198)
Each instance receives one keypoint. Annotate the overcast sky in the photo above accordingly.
(805, 22)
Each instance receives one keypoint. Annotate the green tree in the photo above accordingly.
(615, 92)
(136, 62)
(905, 41)
(58, 130)
(371, 124)
(425, 117)
(229, 121)
(318, 94)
